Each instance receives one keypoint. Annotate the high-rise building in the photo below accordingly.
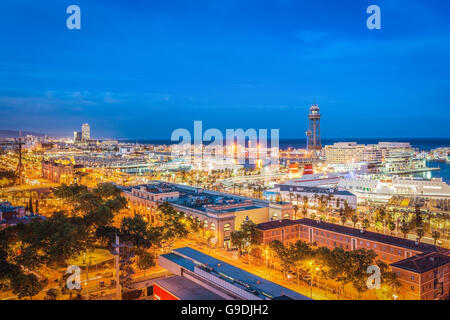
(349, 152)
(313, 140)
(85, 132)
(76, 136)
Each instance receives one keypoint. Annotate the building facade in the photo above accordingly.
(219, 213)
(58, 172)
(428, 279)
(85, 132)
(425, 276)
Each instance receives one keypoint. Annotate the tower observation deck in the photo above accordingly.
(313, 140)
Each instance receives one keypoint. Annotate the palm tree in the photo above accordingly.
(329, 198)
(420, 233)
(435, 235)
(295, 212)
(366, 223)
(391, 226)
(305, 205)
(343, 219)
(404, 228)
(355, 220)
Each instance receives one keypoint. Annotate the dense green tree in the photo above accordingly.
(145, 260)
(237, 240)
(52, 294)
(389, 282)
(285, 256)
(171, 225)
(26, 285)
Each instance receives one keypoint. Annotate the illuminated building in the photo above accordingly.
(85, 132)
(425, 276)
(58, 172)
(423, 269)
(221, 278)
(181, 288)
(12, 215)
(383, 189)
(220, 213)
(76, 136)
(384, 157)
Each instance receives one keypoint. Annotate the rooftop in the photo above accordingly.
(399, 242)
(235, 275)
(423, 262)
(317, 190)
(278, 224)
(186, 289)
(200, 199)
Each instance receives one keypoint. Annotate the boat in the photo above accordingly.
(311, 179)
(382, 189)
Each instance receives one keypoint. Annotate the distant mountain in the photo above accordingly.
(15, 134)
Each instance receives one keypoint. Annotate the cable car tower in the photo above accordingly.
(313, 141)
(19, 169)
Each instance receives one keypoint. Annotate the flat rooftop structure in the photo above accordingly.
(201, 199)
(185, 289)
(382, 238)
(230, 277)
(315, 190)
(278, 224)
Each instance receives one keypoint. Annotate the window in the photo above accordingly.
(213, 226)
(412, 288)
(412, 278)
(227, 227)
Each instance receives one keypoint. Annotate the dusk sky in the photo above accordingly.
(140, 69)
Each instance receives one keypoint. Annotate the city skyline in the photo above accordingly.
(229, 64)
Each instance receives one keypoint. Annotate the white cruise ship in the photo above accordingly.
(311, 179)
(369, 188)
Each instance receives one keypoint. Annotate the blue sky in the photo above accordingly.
(140, 69)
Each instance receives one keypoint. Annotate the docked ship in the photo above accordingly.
(311, 179)
(382, 189)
